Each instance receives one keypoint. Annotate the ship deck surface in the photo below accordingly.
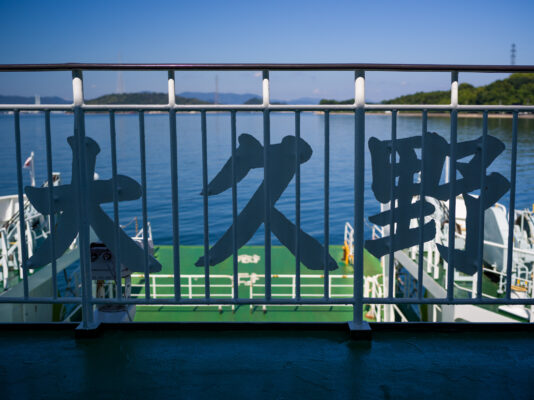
(268, 364)
(282, 263)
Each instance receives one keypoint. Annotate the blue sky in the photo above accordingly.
(467, 32)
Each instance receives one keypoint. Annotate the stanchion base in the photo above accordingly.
(361, 331)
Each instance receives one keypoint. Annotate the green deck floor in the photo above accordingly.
(283, 263)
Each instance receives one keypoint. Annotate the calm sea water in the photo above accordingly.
(220, 211)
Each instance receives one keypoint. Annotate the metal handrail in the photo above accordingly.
(267, 66)
(453, 68)
(359, 108)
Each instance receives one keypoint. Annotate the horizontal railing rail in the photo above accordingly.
(267, 66)
(271, 107)
(358, 109)
(248, 280)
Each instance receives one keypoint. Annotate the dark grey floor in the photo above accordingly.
(266, 364)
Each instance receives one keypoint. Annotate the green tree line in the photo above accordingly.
(517, 89)
(143, 98)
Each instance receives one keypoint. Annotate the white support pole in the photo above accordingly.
(251, 295)
(359, 89)
(265, 89)
(171, 89)
(83, 223)
(77, 88)
(454, 104)
(29, 238)
(454, 89)
(357, 323)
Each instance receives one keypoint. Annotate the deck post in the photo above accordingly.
(88, 326)
(266, 180)
(359, 329)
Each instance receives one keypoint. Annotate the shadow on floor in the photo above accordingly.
(266, 364)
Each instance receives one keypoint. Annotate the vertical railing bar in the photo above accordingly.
(52, 216)
(116, 217)
(85, 221)
(481, 210)
(175, 205)
(142, 149)
(452, 185)
(392, 205)
(452, 206)
(205, 202)
(359, 182)
(267, 186)
(22, 222)
(84, 234)
(326, 202)
(422, 212)
(297, 204)
(234, 205)
(174, 187)
(82, 191)
(511, 209)
(175, 209)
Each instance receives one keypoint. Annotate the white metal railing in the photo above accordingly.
(11, 241)
(358, 108)
(522, 278)
(283, 285)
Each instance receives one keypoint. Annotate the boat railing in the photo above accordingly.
(11, 242)
(522, 278)
(358, 152)
(284, 286)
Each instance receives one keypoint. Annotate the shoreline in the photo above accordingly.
(464, 115)
(496, 115)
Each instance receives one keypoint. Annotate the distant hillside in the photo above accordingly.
(245, 98)
(256, 100)
(332, 101)
(31, 100)
(143, 98)
(222, 98)
(160, 98)
(517, 89)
